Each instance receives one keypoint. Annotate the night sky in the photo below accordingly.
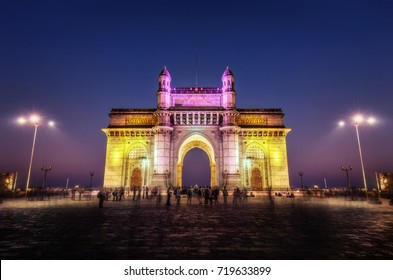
(73, 61)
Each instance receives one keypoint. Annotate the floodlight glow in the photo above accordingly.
(51, 123)
(22, 120)
(35, 119)
(371, 120)
(341, 123)
(358, 119)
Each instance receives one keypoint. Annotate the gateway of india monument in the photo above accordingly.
(245, 147)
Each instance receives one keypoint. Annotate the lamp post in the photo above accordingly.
(347, 169)
(35, 120)
(91, 178)
(301, 179)
(45, 169)
(358, 120)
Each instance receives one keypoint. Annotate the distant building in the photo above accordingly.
(8, 181)
(246, 147)
(385, 180)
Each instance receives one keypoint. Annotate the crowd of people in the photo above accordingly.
(175, 195)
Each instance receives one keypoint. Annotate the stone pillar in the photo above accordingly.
(162, 148)
(114, 176)
(230, 152)
(278, 162)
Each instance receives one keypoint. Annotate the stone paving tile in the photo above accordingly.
(261, 229)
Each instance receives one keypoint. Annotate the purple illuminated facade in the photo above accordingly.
(246, 147)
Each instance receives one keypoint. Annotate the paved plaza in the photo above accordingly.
(263, 228)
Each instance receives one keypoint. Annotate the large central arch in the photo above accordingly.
(196, 141)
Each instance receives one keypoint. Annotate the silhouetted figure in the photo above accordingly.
(101, 198)
(199, 193)
(189, 196)
(178, 195)
(114, 195)
(225, 194)
(138, 197)
(168, 198)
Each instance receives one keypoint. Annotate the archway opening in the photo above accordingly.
(196, 168)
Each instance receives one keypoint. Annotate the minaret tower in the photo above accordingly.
(164, 89)
(228, 89)
(162, 131)
(230, 131)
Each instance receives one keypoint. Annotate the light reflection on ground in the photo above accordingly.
(281, 228)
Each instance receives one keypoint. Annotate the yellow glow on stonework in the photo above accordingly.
(276, 156)
(116, 157)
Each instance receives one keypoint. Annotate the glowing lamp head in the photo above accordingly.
(35, 119)
(358, 119)
(21, 120)
(371, 120)
(51, 123)
(341, 123)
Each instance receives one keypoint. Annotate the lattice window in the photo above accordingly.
(138, 152)
(255, 152)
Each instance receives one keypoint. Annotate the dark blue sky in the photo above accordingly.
(320, 61)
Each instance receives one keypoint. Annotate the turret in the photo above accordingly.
(228, 89)
(164, 89)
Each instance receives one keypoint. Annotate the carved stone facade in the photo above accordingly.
(246, 147)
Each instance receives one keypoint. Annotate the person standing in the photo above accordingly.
(168, 197)
(101, 198)
(189, 195)
(138, 197)
(199, 195)
(178, 195)
(225, 194)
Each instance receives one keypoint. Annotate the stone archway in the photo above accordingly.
(255, 167)
(196, 141)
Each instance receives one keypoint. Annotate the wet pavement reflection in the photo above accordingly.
(263, 228)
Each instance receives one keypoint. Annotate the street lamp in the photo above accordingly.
(36, 121)
(45, 169)
(91, 178)
(358, 120)
(347, 169)
(301, 179)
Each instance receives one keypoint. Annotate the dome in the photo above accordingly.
(227, 72)
(164, 72)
